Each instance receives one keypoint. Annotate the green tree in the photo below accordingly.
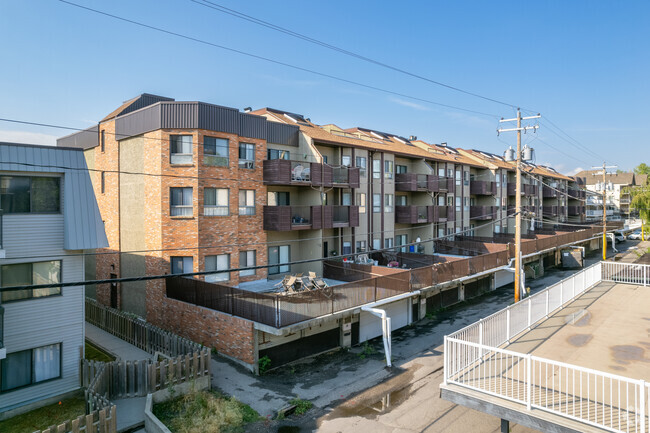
(641, 202)
(642, 168)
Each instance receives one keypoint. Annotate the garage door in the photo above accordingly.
(370, 325)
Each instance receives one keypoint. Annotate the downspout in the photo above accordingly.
(385, 330)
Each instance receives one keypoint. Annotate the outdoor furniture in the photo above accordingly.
(296, 173)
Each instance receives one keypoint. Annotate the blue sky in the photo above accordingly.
(583, 64)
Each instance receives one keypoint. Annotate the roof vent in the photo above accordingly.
(413, 138)
(248, 110)
(443, 144)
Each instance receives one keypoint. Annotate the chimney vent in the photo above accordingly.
(248, 110)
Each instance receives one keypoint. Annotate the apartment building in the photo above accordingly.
(617, 187)
(48, 219)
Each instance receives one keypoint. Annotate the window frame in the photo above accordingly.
(246, 163)
(32, 368)
(249, 272)
(216, 206)
(376, 203)
(59, 209)
(278, 268)
(361, 202)
(219, 275)
(281, 154)
(389, 169)
(214, 159)
(173, 206)
(181, 157)
(247, 209)
(171, 264)
(389, 203)
(360, 162)
(376, 169)
(31, 297)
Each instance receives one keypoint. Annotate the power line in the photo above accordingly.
(243, 16)
(270, 60)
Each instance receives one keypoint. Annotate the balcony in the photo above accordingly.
(447, 185)
(414, 214)
(575, 210)
(530, 190)
(340, 216)
(444, 213)
(548, 192)
(287, 218)
(482, 187)
(577, 194)
(285, 172)
(412, 182)
(551, 211)
(483, 212)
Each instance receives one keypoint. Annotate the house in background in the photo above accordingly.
(49, 219)
(617, 186)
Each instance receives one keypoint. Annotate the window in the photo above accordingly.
(472, 226)
(278, 256)
(361, 202)
(504, 203)
(504, 178)
(400, 200)
(466, 206)
(182, 265)
(441, 200)
(466, 178)
(181, 201)
(458, 177)
(346, 160)
(498, 179)
(324, 198)
(346, 199)
(388, 203)
(361, 246)
(246, 155)
(246, 202)
(216, 202)
(103, 182)
(458, 204)
(450, 200)
(388, 169)
(181, 149)
(400, 169)
(247, 259)
(216, 151)
(376, 169)
(103, 141)
(376, 203)
(24, 194)
(441, 172)
(376, 244)
(450, 173)
(31, 366)
(401, 240)
(347, 248)
(324, 159)
(278, 154)
(220, 262)
(25, 274)
(278, 198)
(361, 163)
(497, 229)
(388, 243)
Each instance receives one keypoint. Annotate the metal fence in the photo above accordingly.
(474, 359)
(626, 273)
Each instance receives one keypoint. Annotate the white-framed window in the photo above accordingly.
(376, 244)
(458, 204)
(181, 149)
(450, 200)
(401, 169)
(246, 155)
(346, 160)
(466, 178)
(278, 257)
(498, 180)
(29, 367)
(346, 199)
(278, 198)
(347, 247)
(277, 154)
(388, 203)
(401, 240)
(216, 202)
(220, 262)
(246, 202)
(361, 202)
(361, 163)
(441, 172)
(458, 177)
(466, 206)
(247, 259)
(376, 169)
(388, 169)
(388, 242)
(361, 246)
(376, 203)
(181, 264)
(216, 151)
(400, 200)
(25, 274)
(497, 228)
(180, 202)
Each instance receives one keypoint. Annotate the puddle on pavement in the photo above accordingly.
(627, 353)
(579, 340)
(371, 409)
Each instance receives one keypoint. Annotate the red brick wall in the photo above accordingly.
(230, 335)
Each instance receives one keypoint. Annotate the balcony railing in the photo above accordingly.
(286, 218)
(549, 192)
(340, 216)
(447, 184)
(577, 194)
(483, 212)
(285, 172)
(414, 214)
(482, 187)
(416, 182)
(550, 210)
(575, 210)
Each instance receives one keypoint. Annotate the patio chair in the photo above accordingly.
(296, 173)
(306, 174)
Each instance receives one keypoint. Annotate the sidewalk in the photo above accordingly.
(116, 346)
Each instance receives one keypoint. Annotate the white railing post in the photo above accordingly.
(645, 275)
(480, 338)
(561, 294)
(529, 387)
(445, 362)
(508, 325)
(642, 402)
(546, 303)
(530, 313)
(573, 286)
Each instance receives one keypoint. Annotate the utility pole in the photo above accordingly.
(518, 264)
(604, 173)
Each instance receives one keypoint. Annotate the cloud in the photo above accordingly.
(28, 137)
(575, 171)
(410, 104)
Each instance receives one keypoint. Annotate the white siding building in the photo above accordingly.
(49, 218)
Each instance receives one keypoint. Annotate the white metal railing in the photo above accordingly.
(632, 273)
(473, 359)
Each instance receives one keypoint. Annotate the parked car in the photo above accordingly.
(619, 236)
(635, 235)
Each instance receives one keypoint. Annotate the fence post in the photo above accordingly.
(530, 313)
(561, 295)
(642, 402)
(645, 275)
(445, 363)
(508, 325)
(529, 387)
(547, 303)
(573, 285)
(480, 331)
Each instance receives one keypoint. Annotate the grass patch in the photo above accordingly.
(205, 411)
(302, 406)
(42, 418)
(94, 353)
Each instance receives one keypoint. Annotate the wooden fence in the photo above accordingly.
(106, 381)
(99, 421)
(136, 331)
